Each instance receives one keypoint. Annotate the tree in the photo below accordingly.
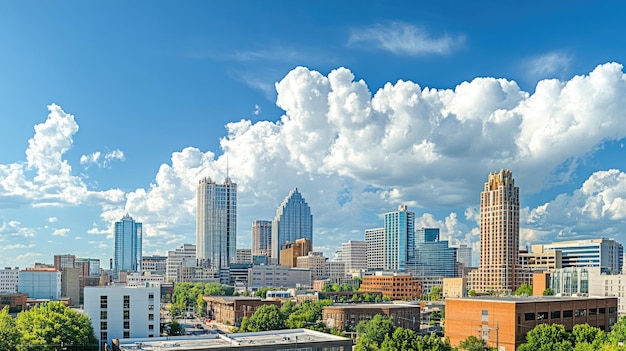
(262, 292)
(175, 328)
(524, 289)
(432, 342)
(372, 333)
(473, 343)
(472, 292)
(547, 337)
(53, 323)
(618, 331)
(435, 293)
(401, 339)
(548, 292)
(584, 333)
(9, 334)
(267, 317)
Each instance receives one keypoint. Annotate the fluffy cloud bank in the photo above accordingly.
(355, 154)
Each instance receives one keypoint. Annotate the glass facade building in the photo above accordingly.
(293, 221)
(433, 257)
(216, 223)
(604, 253)
(261, 238)
(399, 239)
(128, 237)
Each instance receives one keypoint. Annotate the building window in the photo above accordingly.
(151, 317)
(126, 325)
(602, 310)
(555, 314)
(103, 315)
(151, 327)
(593, 311)
(151, 307)
(126, 334)
(484, 316)
(567, 313)
(126, 314)
(103, 302)
(529, 316)
(612, 310)
(542, 316)
(104, 336)
(151, 296)
(580, 313)
(126, 301)
(103, 325)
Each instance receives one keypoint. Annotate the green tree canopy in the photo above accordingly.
(435, 293)
(524, 289)
(547, 337)
(401, 339)
(53, 323)
(267, 317)
(372, 333)
(584, 333)
(473, 343)
(175, 328)
(548, 292)
(9, 335)
(618, 331)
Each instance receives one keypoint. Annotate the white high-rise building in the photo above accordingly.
(216, 223)
(9, 278)
(175, 260)
(464, 255)
(354, 255)
(293, 221)
(123, 312)
(375, 239)
(604, 253)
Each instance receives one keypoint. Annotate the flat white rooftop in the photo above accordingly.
(273, 338)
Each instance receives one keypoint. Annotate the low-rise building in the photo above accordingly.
(396, 286)
(15, 302)
(230, 310)
(40, 283)
(288, 339)
(454, 287)
(504, 321)
(347, 316)
(123, 312)
(276, 276)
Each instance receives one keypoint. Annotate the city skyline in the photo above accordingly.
(363, 108)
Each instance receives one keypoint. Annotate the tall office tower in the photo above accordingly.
(293, 221)
(64, 261)
(399, 238)
(375, 239)
(433, 257)
(354, 254)
(128, 237)
(464, 255)
(499, 235)
(175, 259)
(262, 238)
(216, 223)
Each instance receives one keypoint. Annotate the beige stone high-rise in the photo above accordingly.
(499, 269)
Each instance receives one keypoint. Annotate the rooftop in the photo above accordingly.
(373, 305)
(238, 340)
(528, 299)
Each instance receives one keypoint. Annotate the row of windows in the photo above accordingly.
(568, 313)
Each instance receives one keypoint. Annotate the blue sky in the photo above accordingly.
(119, 107)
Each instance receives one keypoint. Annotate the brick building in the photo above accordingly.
(393, 285)
(290, 251)
(341, 315)
(232, 309)
(16, 302)
(504, 321)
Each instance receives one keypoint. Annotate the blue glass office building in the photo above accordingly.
(433, 257)
(293, 221)
(399, 239)
(128, 236)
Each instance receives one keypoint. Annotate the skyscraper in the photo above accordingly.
(399, 238)
(293, 221)
(128, 236)
(375, 239)
(354, 254)
(499, 236)
(216, 223)
(433, 257)
(262, 238)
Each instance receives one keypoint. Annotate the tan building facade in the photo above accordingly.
(290, 252)
(349, 315)
(395, 286)
(454, 287)
(499, 268)
(504, 321)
